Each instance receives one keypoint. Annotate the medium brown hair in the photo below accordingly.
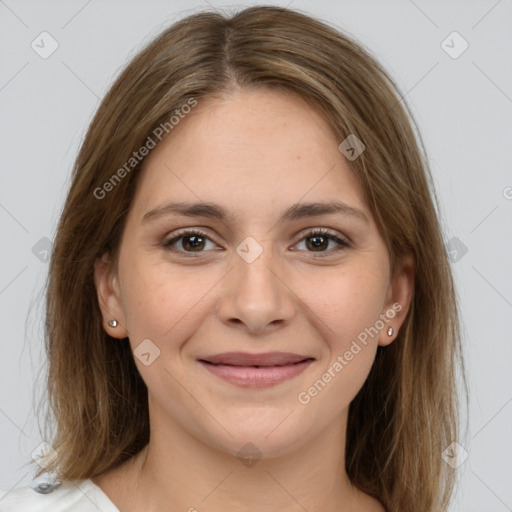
(406, 413)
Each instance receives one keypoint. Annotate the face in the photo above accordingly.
(254, 316)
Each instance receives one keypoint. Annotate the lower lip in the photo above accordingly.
(262, 377)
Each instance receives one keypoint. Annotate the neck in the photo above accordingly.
(178, 471)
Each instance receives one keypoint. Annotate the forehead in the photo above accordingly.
(250, 150)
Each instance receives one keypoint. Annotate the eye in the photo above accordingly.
(193, 242)
(189, 241)
(318, 240)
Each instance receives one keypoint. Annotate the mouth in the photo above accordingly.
(256, 370)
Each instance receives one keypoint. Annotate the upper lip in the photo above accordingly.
(248, 359)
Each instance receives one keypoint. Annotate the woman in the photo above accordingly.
(250, 306)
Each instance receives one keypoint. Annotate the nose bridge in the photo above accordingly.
(253, 265)
(257, 295)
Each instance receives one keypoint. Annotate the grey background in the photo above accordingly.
(463, 107)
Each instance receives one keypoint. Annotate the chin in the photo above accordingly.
(262, 439)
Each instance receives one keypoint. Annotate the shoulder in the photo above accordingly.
(66, 496)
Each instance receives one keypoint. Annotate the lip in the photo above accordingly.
(256, 370)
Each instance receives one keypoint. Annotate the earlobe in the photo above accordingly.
(108, 293)
(399, 299)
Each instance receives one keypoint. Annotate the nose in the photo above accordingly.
(256, 295)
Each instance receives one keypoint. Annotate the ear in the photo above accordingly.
(398, 300)
(109, 297)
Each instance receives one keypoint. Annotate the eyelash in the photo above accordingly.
(343, 243)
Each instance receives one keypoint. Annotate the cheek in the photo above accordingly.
(346, 310)
(345, 303)
(163, 304)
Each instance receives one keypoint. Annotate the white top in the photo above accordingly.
(68, 496)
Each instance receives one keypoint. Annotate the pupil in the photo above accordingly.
(318, 241)
(189, 243)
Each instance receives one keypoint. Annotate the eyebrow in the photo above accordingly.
(215, 211)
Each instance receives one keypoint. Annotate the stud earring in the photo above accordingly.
(113, 323)
(391, 331)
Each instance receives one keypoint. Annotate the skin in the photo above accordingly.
(255, 153)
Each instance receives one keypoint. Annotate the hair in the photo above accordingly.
(407, 411)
